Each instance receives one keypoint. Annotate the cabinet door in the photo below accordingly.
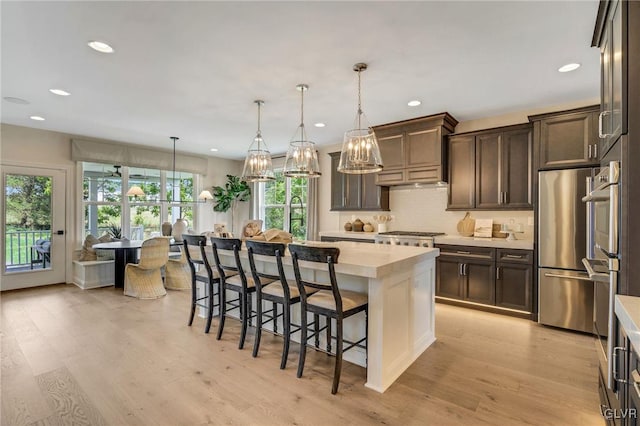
(448, 278)
(515, 162)
(613, 110)
(568, 140)
(345, 188)
(373, 197)
(424, 148)
(488, 195)
(513, 286)
(462, 162)
(392, 150)
(479, 282)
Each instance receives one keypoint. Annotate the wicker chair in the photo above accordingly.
(177, 274)
(144, 280)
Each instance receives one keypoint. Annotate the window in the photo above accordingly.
(282, 204)
(105, 207)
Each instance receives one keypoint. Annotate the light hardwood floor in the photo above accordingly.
(97, 357)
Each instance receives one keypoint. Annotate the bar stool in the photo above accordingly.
(278, 291)
(329, 301)
(233, 278)
(194, 251)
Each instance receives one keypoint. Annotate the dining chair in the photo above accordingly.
(177, 274)
(278, 290)
(233, 278)
(144, 279)
(200, 271)
(329, 301)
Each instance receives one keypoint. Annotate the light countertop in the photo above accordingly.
(628, 312)
(485, 242)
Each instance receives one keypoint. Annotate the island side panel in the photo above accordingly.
(401, 321)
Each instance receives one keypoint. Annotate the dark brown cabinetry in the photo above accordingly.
(356, 192)
(355, 239)
(567, 138)
(486, 276)
(491, 169)
(413, 150)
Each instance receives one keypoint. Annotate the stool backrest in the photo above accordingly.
(231, 244)
(276, 250)
(327, 255)
(194, 246)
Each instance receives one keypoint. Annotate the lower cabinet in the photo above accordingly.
(484, 275)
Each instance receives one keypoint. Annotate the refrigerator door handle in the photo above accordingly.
(568, 277)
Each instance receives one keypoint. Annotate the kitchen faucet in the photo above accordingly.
(300, 206)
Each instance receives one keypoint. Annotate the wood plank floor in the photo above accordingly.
(97, 357)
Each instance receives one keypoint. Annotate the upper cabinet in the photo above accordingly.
(491, 169)
(413, 151)
(356, 192)
(567, 138)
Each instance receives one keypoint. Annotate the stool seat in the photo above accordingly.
(350, 300)
(276, 289)
(236, 280)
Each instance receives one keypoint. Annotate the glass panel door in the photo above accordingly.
(33, 215)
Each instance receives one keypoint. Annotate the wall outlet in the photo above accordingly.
(530, 221)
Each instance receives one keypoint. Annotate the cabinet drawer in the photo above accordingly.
(515, 256)
(389, 177)
(424, 174)
(486, 253)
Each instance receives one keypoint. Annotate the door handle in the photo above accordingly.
(460, 269)
(60, 232)
(498, 272)
(615, 363)
(514, 256)
(464, 269)
(595, 151)
(463, 252)
(589, 155)
(569, 277)
(600, 117)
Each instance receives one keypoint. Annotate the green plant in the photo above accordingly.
(115, 231)
(226, 197)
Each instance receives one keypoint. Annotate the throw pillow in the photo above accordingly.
(104, 254)
(88, 253)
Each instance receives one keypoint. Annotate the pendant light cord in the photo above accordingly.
(173, 183)
(302, 131)
(359, 101)
(259, 135)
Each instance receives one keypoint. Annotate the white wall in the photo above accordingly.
(424, 209)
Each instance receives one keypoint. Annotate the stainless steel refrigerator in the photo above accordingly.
(565, 292)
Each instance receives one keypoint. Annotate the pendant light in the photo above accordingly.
(302, 157)
(257, 165)
(360, 151)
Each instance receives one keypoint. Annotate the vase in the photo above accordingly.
(166, 229)
(179, 228)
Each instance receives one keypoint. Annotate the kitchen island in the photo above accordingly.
(400, 283)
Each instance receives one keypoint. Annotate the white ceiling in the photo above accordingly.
(193, 69)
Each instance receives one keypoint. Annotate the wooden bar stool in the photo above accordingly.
(233, 278)
(194, 251)
(277, 290)
(329, 302)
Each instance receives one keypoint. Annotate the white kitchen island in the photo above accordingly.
(400, 282)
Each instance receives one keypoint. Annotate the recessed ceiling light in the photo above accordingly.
(214, 150)
(59, 92)
(319, 124)
(16, 100)
(37, 118)
(414, 103)
(569, 67)
(100, 46)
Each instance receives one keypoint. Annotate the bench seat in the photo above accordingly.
(93, 273)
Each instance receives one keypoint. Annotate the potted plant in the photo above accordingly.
(227, 197)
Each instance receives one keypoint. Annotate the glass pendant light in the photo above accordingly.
(302, 157)
(257, 165)
(360, 151)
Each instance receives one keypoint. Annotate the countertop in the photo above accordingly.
(349, 234)
(484, 242)
(628, 312)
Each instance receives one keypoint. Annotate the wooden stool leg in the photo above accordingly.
(328, 335)
(303, 341)
(209, 307)
(274, 307)
(256, 339)
(286, 311)
(338, 369)
(223, 310)
(244, 315)
(194, 291)
(316, 330)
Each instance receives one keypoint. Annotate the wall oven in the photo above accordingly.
(602, 263)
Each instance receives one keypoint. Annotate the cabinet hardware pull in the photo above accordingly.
(460, 269)
(498, 273)
(595, 151)
(615, 363)
(513, 256)
(600, 125)
(463, 252)
(568, 277)
(464, 269)
(589, 156)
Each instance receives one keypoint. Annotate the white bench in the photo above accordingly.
(93, 273)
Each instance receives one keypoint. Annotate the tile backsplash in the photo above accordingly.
(424, 209)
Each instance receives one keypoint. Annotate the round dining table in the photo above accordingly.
(125, 252)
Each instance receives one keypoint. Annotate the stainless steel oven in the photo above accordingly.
(603, 230)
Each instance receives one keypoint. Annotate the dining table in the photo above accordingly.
(125, 251)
